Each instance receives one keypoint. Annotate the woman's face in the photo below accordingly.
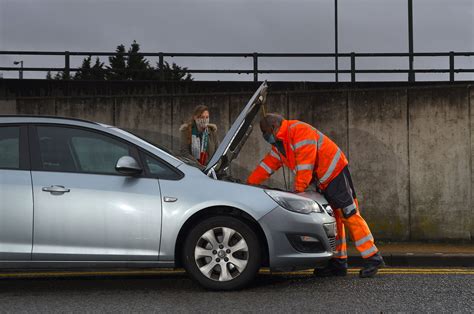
(203, 115)
(202, 120)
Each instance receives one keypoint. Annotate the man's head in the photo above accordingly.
(269, 125)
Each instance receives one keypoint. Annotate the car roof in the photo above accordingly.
(20, 119)
(45, 119)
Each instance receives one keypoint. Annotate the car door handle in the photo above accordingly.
(56, 189)
(169, 199)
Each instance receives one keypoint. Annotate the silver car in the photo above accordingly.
(75, 193)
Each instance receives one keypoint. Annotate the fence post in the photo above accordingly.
(161, 64)
(353, 67)
(451, 66)
(67, 67)
(255, 67)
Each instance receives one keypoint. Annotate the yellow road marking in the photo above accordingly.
(151, 272)
(90, 273)
(390, 272)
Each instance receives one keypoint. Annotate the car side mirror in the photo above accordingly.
(128, 165)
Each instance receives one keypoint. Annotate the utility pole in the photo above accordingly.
(335, 42)
(411, 74)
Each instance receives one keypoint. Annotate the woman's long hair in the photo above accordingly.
(198, 110)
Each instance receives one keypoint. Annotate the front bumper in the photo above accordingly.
(282, 226)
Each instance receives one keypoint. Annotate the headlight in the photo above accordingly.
(294, 202)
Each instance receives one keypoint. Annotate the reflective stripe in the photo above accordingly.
(340, 254)
(369, 251)
(320, 139)
(331, 168)
(364, 239)
(265, 166)
(303, 143)
(305, 167)
(272, 152)
(348, 209)
(340, 241)
(301, 122)
(297, 123)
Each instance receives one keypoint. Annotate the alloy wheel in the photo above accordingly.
(221, 254)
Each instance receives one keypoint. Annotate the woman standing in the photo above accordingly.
(199, 137)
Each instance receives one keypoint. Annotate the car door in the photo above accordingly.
(84, 208)
(16, 199)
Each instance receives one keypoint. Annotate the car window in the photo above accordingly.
(98, 154)
(78, 150)
(160, 169)
(135, 137)
(10, 147)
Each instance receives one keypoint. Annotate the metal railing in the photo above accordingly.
(256, 57)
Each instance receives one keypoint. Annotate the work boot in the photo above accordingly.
(371, 266)
(335, 267)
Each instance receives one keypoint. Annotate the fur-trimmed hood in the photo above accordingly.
(212, 127)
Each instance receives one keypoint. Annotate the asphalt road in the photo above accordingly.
(418, 290)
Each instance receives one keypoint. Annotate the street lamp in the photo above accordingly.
(21, 68)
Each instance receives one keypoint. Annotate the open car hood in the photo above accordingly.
(240, 130)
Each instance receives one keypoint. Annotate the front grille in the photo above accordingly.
(332, 243)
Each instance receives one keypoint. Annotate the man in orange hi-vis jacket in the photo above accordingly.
(317, 159)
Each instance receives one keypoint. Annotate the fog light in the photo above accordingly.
(308, 239)
(306, 243)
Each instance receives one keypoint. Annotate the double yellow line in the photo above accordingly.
(408, 271)
(161, 272)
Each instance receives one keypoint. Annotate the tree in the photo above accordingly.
(138, 67)
(88, 72)
(84, 71)
(62, 76)
(58, 76)
(125, 65)
(134, 66)
(117, 70)
(173, 72)
(98, 72)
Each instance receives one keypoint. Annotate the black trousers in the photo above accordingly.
(340, 193)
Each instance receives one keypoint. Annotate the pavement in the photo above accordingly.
(420, 254)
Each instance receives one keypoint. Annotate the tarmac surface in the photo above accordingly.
(426, 277)
(393, 289)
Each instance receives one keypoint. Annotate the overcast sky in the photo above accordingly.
(241, 26)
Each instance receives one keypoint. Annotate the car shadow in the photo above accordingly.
(137, 283)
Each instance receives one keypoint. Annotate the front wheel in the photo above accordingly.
(222, 253)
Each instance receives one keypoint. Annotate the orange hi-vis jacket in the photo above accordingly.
(309, 153)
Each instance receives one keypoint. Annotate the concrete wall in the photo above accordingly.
(440, 163)
(378, 151)
(410, 148)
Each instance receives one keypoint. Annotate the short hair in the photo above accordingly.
(272, 119)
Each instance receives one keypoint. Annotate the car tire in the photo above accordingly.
(229, 261)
